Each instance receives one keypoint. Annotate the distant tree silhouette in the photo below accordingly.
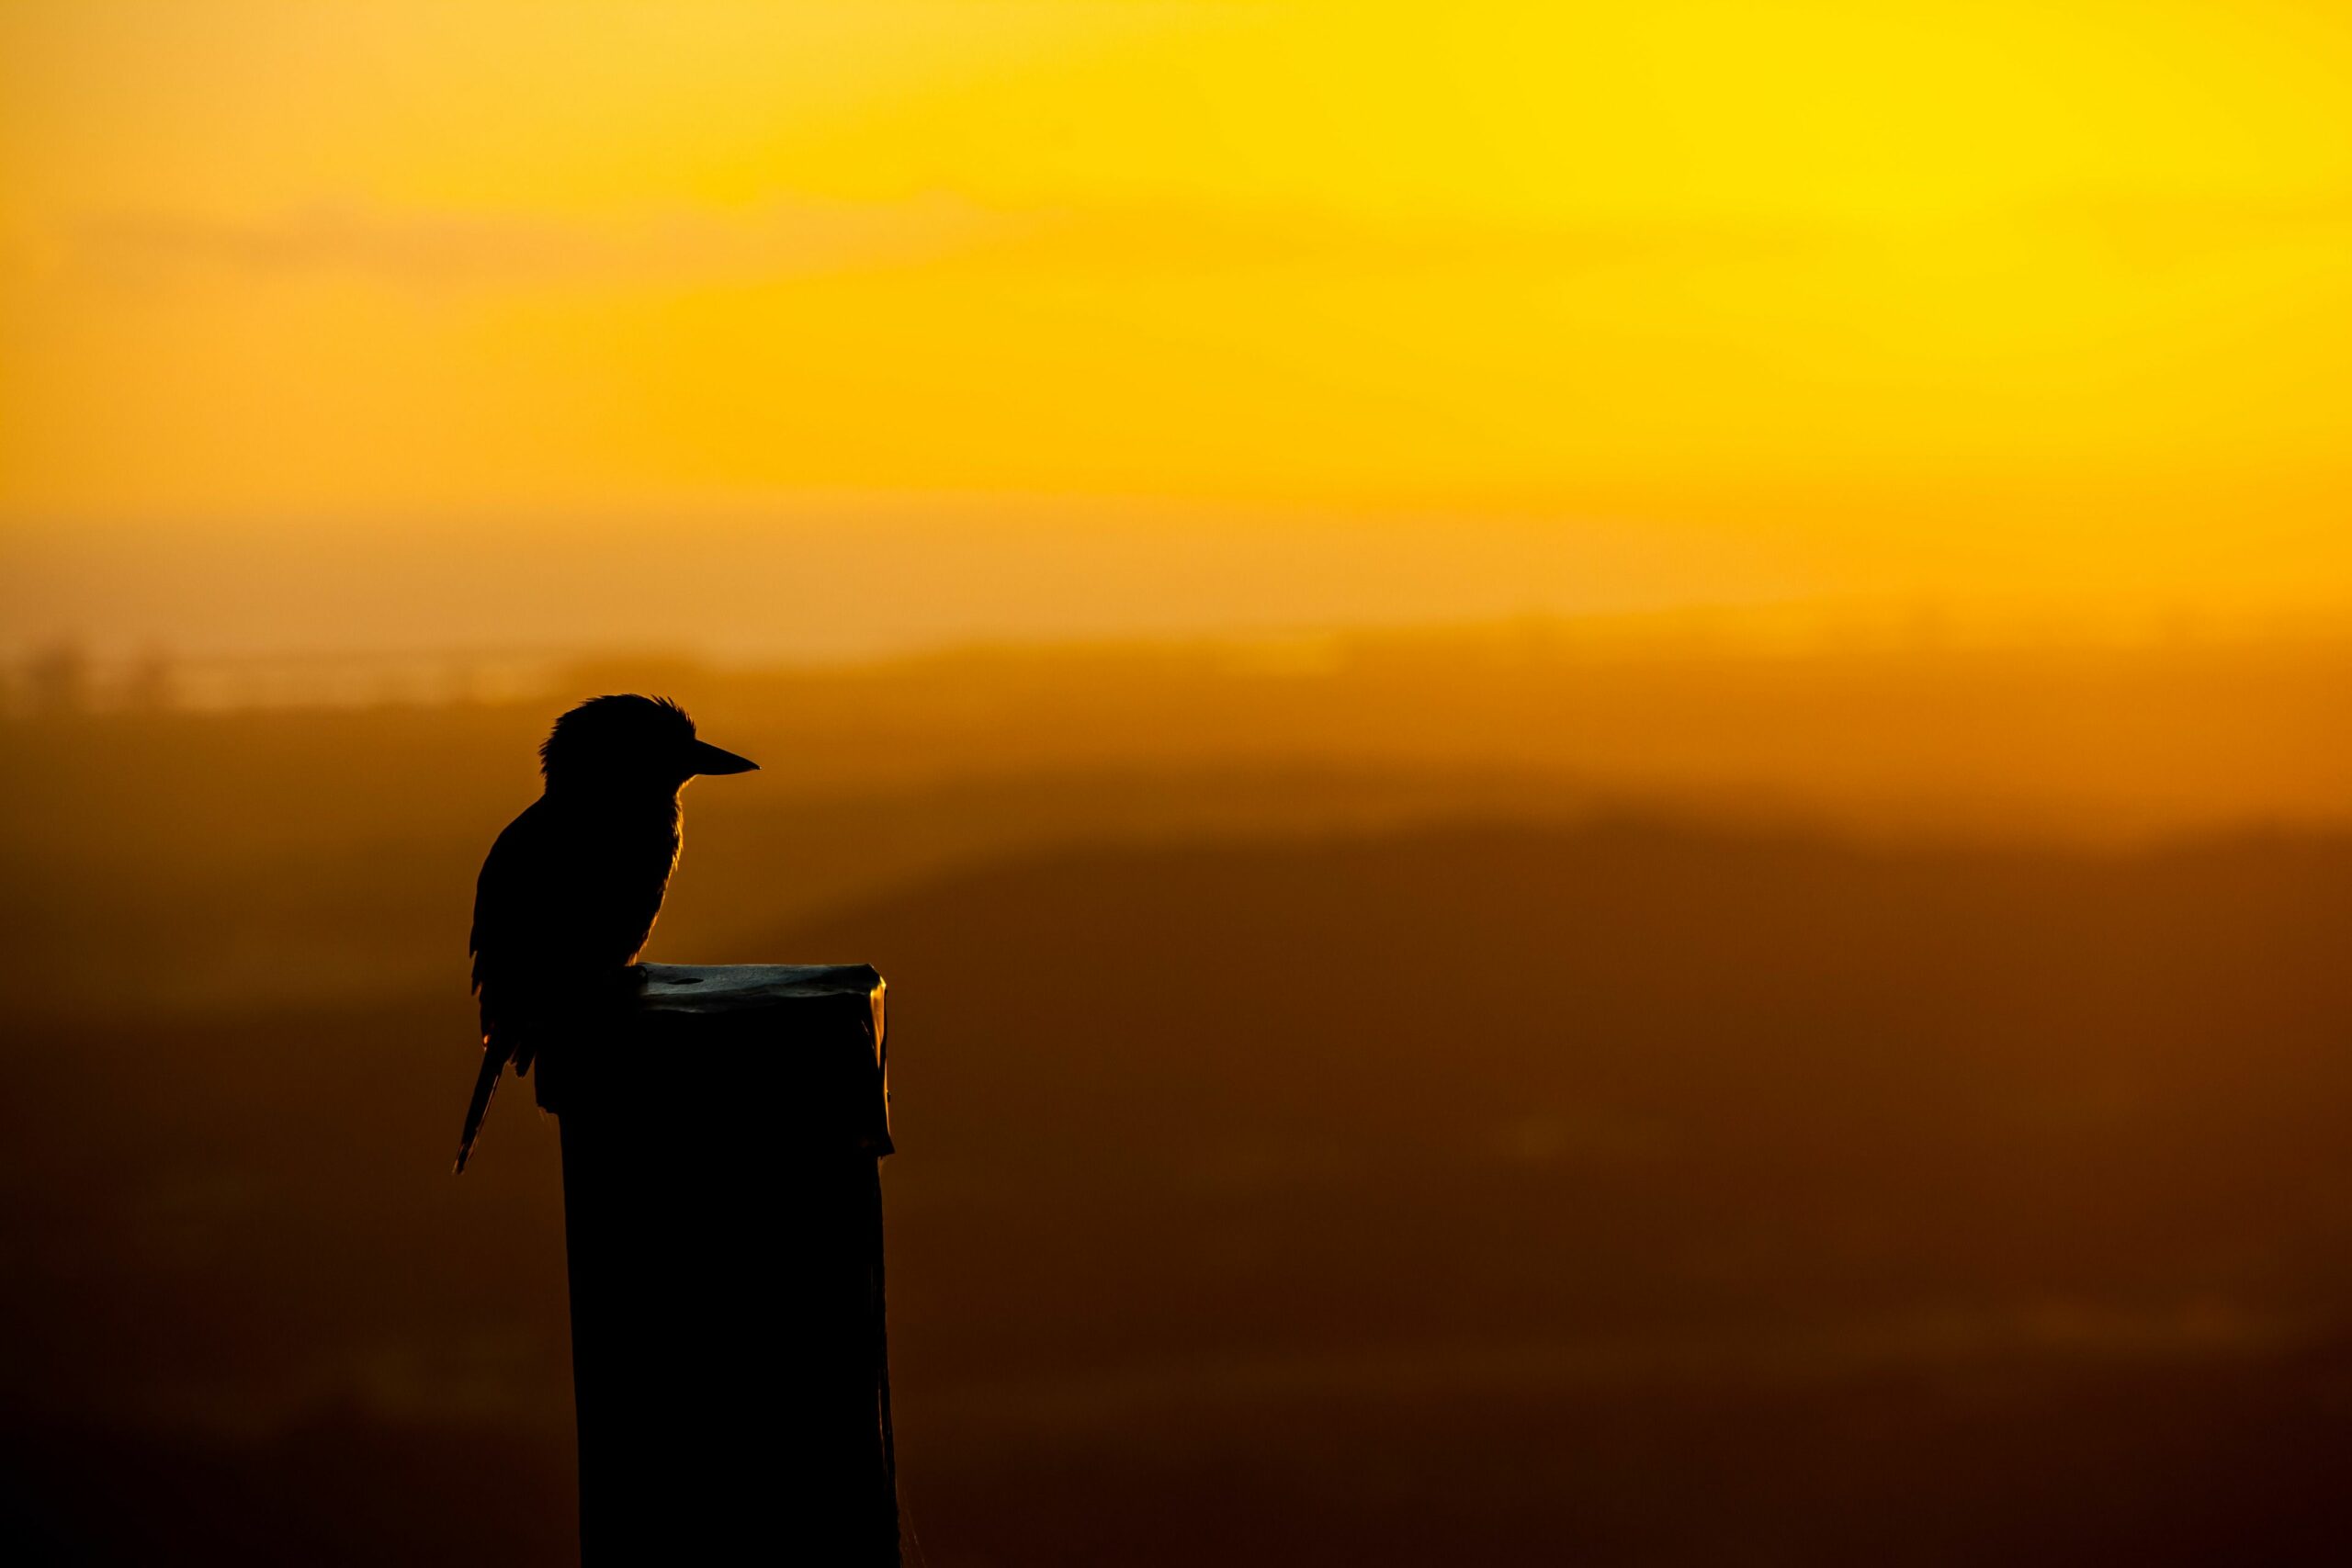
(57, 679)
(153, 686)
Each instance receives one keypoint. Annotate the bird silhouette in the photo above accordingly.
(570, 889)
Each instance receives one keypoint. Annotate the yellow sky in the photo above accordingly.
(1992, 296)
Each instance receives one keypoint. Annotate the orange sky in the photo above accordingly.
(2048, 298)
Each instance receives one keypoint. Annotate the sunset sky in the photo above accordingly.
(1473, 307)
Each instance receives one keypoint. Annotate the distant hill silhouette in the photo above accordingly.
(1900, 1071)
(1633, 1193)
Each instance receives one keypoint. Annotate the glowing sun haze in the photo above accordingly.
(2032, 299)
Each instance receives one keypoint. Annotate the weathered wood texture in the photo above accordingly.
(723, 1217)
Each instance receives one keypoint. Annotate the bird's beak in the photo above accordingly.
(702, 757)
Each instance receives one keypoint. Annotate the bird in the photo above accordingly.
(570, 889)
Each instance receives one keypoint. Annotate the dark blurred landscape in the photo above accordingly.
(1377, 1102)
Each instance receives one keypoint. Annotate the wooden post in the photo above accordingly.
(723, 1220)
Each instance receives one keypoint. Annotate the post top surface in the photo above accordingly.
(718, 988)
(802, 1044)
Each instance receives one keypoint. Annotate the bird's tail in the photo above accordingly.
(494, 1062)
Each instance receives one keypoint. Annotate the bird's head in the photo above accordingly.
(630, 743)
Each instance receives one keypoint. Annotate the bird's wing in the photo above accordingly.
(503, 924)
(565, 903)
(511, 901)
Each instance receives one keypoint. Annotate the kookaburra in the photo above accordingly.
(571, 887)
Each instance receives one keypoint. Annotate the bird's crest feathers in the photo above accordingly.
(619, 725)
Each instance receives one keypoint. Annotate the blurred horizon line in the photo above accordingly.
(67, 673)
(871, 582)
